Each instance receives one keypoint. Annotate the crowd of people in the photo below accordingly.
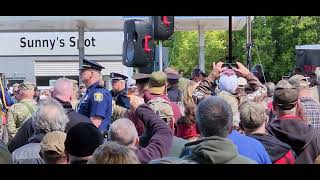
(227, 116)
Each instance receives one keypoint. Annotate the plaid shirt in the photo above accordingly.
(311, 110)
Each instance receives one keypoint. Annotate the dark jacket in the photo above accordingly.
(121, 98)
(303, 138)
(161, 135)
(174, 94)
(29, 153)
(27, 130)
(215, 150)
(274, 147)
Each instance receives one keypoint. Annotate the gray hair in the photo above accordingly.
(123, 131)
(50, 116)
(113, 153)
(214, 117)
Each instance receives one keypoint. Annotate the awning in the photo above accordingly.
(109, 23)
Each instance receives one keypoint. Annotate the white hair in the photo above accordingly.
(50, 116)
(123, 131)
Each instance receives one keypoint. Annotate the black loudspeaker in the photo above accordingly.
(163, 27)
(138, 43)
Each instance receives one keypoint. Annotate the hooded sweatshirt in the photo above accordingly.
(274, 147)
(303, 138)
(215, 150)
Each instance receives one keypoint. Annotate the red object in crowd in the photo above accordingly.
(286, 159)
(186, 131)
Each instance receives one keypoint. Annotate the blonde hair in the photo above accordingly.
(187, 99)
(188, 102)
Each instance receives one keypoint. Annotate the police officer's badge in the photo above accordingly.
(98, 97)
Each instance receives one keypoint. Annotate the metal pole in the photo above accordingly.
(201, 34)
(249, 43)
(160, 56)
(230, 40)
(81, 46)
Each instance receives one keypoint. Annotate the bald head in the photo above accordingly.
(63, 89)
(124, 132)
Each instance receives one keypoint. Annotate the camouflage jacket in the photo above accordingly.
(18, 113)
(207, 87)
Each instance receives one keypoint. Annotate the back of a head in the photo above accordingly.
(113, 153)
(252, 115)
(63, 89)
(270, 88)
(285, 96)
(82, 139)
(214, 117)
(123, 131)
(52, 148)
(50, 116)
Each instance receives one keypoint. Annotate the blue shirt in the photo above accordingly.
(97, 102)
(250, 148)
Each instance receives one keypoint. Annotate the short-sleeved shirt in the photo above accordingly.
(97, 102)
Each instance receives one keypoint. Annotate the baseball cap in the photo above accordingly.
(90, 64)
(242, 82)
(285, 95)
(252, 114)
(82, 139)
(299, 81)
(53, 141)
(157, 82)
(27, 86)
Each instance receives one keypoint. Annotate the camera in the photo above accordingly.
(230, 65)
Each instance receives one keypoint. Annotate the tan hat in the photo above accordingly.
(242, 81)
(53, 141)
(299, 81)
(233, 102)
(285, 95)
(157, 82)
(252, 115)
(27, 86)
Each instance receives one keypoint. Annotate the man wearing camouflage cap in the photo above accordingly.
(289, 128)
(22, 111)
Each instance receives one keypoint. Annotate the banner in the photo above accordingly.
(308, 58)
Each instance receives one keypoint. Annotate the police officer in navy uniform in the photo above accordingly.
(96, 103)
(119, 92)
